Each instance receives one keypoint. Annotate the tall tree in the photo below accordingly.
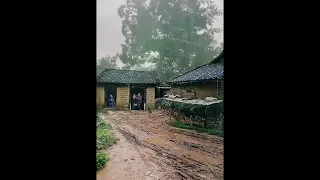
(107, 62)
(179, 30)
(135, 20)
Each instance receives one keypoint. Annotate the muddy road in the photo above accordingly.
(150, 149)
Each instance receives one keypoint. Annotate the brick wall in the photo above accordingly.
(100, 95)
(123, 94)
(150, 97)
(200, 91)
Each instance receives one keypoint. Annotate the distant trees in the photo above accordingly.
(106, 62)
(180, 31)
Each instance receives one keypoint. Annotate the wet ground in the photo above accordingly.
(150, 149)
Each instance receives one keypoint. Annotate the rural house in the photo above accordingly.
(122, 84)
(162, 89)
(201, 82)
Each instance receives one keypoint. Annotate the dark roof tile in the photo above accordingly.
(127, 76)
(210, 71)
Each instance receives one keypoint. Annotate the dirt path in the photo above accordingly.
(150, 149)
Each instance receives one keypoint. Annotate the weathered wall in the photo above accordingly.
(123, 94)
(175, 90)
(150, 97)
(100, 95)
(200, 91)
(209, 116)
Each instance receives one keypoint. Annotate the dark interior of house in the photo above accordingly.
(110, 90)
(163, 92)
(136, 90)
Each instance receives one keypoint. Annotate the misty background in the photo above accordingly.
(140, 50)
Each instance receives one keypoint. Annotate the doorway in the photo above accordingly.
(135, 90)
(110, 90)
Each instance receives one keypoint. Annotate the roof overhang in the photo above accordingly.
(196, 81)
(164, 87)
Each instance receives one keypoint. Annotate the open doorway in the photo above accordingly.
(110, 90)
(136, 90)
(162, 91)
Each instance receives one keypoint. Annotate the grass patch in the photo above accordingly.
(103, 125)
(211, 131)
(101, 160)
(105, 139)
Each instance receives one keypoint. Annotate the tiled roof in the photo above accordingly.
(210, 71)
(127, 76)
(219, 59)
(164, 85)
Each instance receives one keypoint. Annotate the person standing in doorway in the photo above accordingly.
(134, 102)
(110, 101)
(139, 101)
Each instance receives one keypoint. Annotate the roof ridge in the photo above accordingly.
(221, 55)
(187, 72)
(128, 76)
(213, 62)
(218, 58)
(128, 70)
(101, 73)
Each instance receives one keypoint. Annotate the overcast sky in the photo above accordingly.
(109, 36)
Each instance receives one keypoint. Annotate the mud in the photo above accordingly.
(160, 151)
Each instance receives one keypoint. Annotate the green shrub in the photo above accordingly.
(102, 124)
(101, 160)
(188, 109)
(212, 131)
(216, 132)
(104, 139)
(208, 116)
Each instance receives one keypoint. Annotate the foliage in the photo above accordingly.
(102, 124)
(107, 62)
(126, 67)
(180, 31)
(105, 138)
(211, 131)
(209, 117)
(203, 111)
(143, 68)
(101, 160)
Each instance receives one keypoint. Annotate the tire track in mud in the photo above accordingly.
(188, 168)
(212, 151)
(142, 167)
(186, 152)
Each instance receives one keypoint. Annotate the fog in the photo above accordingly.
(109, 36)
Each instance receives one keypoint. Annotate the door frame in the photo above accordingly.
(114, 87)
(144, 95)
